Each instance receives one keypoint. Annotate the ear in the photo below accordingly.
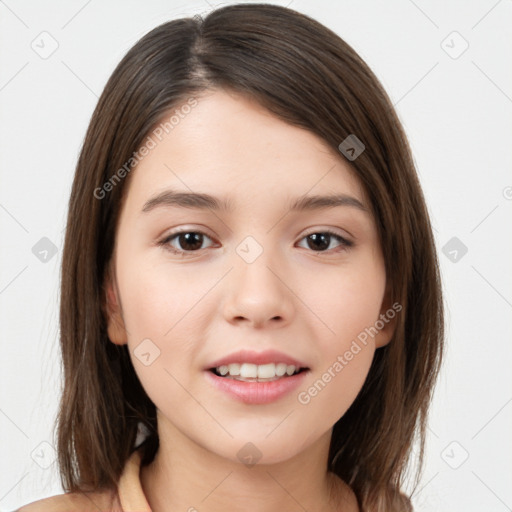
(386, 323)
(115, 324)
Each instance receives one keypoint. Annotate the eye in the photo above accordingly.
(187, 241)
(321, 241)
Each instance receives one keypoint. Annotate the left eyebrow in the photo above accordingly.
(319, 202)
(170, 198)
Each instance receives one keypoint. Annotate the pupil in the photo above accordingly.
(193, 240)
(322, 239)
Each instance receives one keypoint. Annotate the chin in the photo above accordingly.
(262, 449)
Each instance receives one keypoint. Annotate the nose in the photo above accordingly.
(258, 295)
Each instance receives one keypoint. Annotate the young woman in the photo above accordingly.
(251, 309)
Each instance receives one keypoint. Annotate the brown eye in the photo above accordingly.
(190, 241)
(185, 241)
(321, 241)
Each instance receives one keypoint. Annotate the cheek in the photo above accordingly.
(167, 310)
(161, 308)
(349, 305)
(347, 301)
(159, 300)
(346, 355)
(330, 391)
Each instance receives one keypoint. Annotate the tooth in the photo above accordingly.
(234, 369)
(266, 371)
(253, 371)
(280, 369)
(248, 370)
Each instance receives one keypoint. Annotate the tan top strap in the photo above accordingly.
(130, 491)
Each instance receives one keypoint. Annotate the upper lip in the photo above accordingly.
(251, 356)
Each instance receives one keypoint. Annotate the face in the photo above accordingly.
(249, 272)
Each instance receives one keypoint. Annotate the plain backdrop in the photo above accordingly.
(446, 66)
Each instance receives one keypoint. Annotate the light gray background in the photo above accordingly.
(457, 112)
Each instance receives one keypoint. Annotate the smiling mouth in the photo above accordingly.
(247, 372)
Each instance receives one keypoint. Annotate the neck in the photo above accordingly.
(186, 476)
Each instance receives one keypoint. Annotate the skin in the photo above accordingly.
(198, 307)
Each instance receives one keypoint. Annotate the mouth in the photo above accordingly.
(249, 372)
(256, 390)
(256, 378)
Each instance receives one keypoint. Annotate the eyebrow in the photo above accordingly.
(195, 200)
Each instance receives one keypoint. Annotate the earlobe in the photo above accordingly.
(386, 333)
(386, 323)
(115, 324)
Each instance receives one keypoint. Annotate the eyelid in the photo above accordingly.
(330, 231)
(203, 231)
(186, 229)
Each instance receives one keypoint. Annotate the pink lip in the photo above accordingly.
(256, 392)
(250, 356)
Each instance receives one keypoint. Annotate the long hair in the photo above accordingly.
(306, 75)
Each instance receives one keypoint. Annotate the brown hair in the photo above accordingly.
(308, 76)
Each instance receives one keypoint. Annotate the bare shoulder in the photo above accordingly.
(104, 501)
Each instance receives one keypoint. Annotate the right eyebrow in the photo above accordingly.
(187, 200)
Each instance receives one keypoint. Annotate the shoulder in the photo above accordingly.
(101, 501)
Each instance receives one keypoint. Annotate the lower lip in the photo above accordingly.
(257, 392)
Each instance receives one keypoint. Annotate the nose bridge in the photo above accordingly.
(256, 291)
(253, 262)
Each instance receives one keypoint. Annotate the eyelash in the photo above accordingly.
(344, 243)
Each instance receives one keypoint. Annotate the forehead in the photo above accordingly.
(231, 146)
